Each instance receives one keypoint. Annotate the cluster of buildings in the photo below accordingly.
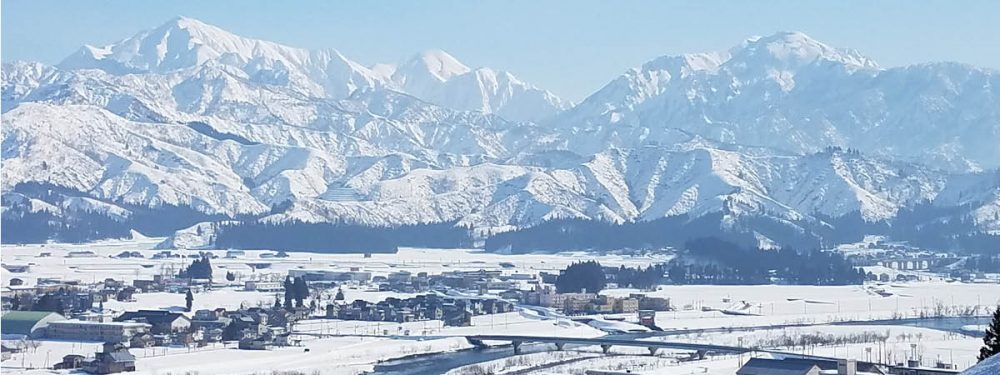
(113, 358)
(73, 311)
(169, 283)
(254, 328)
(76, 300)
(322, 277)
(408, 282)
(588, 303)
(452, 311)
(482, 280)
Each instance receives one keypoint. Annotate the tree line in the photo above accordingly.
(924, 225)
(584, 234)
(338, 238)
(200, 268)
(75, 226)
(712, 261)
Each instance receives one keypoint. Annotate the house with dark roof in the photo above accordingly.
(808, 366)
(988, 366)
(842, 365)
(763, 366)
(70, 361)
(208, 320)
(244, 326)
(28, 323)
(163, 322)
(114, 359)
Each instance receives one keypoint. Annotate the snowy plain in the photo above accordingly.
(757, 315)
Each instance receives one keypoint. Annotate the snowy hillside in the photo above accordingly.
(188, 115)
(790, 92)
(92, 150)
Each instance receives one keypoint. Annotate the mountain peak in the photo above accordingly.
(179, 43)
(194, 28)
(186, 22)
(795, 48)
(438, 63)
(183, 43)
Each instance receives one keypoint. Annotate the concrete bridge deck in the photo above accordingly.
(606, 343)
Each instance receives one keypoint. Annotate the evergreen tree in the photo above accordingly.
(300, 291)
(277, 302)
(199, 269)
(991, 342)
(677, 273)
(581, 276)
(289, 292)
(188, 300)
(48, 302)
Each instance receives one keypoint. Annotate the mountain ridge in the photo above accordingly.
(781, 128)
(790, 92)
(186, 43)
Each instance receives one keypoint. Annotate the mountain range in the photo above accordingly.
(782, 128)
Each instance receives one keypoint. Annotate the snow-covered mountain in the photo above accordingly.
(185, 43)
(189, 115)
(790, 92)
(440, 78)
(92, 150)
(201, 51)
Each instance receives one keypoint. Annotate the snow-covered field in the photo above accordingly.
(795, 304)
(329, 355)
(856, 342)
(92, 269)
(349, 347)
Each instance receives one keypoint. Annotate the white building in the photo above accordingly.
(263, 286)
(95, 331)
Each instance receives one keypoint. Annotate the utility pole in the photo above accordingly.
(740, 360)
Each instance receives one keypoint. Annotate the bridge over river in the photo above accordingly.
(606, 343)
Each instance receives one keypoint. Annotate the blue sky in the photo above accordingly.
(569, 47)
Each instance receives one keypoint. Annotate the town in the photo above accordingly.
(295, 301)
(73, 310)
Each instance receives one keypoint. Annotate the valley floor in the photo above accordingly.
(768, 316)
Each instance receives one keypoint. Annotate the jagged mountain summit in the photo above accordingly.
(777, 137)
(438, 77)
(185, 44)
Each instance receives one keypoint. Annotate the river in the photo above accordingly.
(439, 363)
(940, 324)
